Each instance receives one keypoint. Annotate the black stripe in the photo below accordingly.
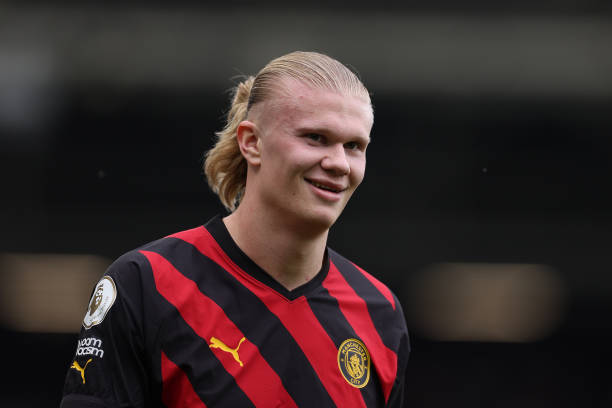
(327, 311)
(389, 323)
(211, 382)
(81, 401)
(252, 317)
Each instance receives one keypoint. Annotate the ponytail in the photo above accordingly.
(224, 166)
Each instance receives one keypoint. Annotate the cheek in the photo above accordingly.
(300, 158)
(357, 174)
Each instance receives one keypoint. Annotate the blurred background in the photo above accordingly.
(485, 207)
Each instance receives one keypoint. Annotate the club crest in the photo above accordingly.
(354, 362)
(101, 301)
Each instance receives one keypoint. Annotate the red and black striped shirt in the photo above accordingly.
(194, 322)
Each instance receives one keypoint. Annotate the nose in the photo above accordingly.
(336, 161)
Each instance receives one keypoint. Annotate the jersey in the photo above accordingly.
(191, 321)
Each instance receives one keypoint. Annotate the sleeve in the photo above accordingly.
(397, 396)
(109, 367)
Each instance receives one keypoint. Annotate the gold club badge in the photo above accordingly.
(354, 362)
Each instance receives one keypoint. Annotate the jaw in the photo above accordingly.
(325, 207)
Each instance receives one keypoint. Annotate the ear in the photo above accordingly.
(248, 138)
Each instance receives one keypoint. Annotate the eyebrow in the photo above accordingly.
(325, 131)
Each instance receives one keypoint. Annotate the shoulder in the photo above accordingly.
(131, 274)
(128, 270)
(133, 263)
(381, 304)
(128, 286)
(364, 283)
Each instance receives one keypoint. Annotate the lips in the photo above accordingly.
(327, 186)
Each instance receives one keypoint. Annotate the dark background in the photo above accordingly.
(491, 144)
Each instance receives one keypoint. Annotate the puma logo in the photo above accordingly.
(77, 367)
(216, 343)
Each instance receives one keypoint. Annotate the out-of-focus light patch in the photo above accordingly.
(486, 302)
(47, 292)
(28, 100)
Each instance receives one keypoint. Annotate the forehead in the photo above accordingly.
(297, 105)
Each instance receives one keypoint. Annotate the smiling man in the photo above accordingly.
(254, 309)
(305, 153)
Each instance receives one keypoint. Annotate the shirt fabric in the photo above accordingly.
(190, 321)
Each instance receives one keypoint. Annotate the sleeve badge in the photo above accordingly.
(101, 301)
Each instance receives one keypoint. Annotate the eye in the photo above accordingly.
(352, 145)
(356, 145)
(315, 137)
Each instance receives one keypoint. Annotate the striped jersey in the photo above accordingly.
(190, 321)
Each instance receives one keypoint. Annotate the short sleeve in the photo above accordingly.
(109, 368)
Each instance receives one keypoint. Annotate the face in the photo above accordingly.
(312, 146)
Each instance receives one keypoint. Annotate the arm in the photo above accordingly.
(109, 367)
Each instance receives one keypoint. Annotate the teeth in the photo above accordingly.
(321, 186)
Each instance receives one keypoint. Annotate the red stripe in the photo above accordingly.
(355, 309)
(209, 320)
(177, 391)
(384, 290)
(296, 316)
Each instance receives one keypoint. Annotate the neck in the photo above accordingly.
(291, 257)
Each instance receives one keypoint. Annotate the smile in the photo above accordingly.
(326, 187)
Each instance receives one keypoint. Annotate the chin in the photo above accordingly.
(321, 220)
(311, 218)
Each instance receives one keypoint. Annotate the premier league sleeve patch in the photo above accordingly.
(101, 301)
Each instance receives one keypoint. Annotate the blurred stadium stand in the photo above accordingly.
(485, 204)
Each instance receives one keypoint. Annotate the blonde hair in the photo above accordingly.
(224, 165)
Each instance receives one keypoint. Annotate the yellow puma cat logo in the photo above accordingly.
(77, 367)
(216, 343)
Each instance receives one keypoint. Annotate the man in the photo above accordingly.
(253, 309)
